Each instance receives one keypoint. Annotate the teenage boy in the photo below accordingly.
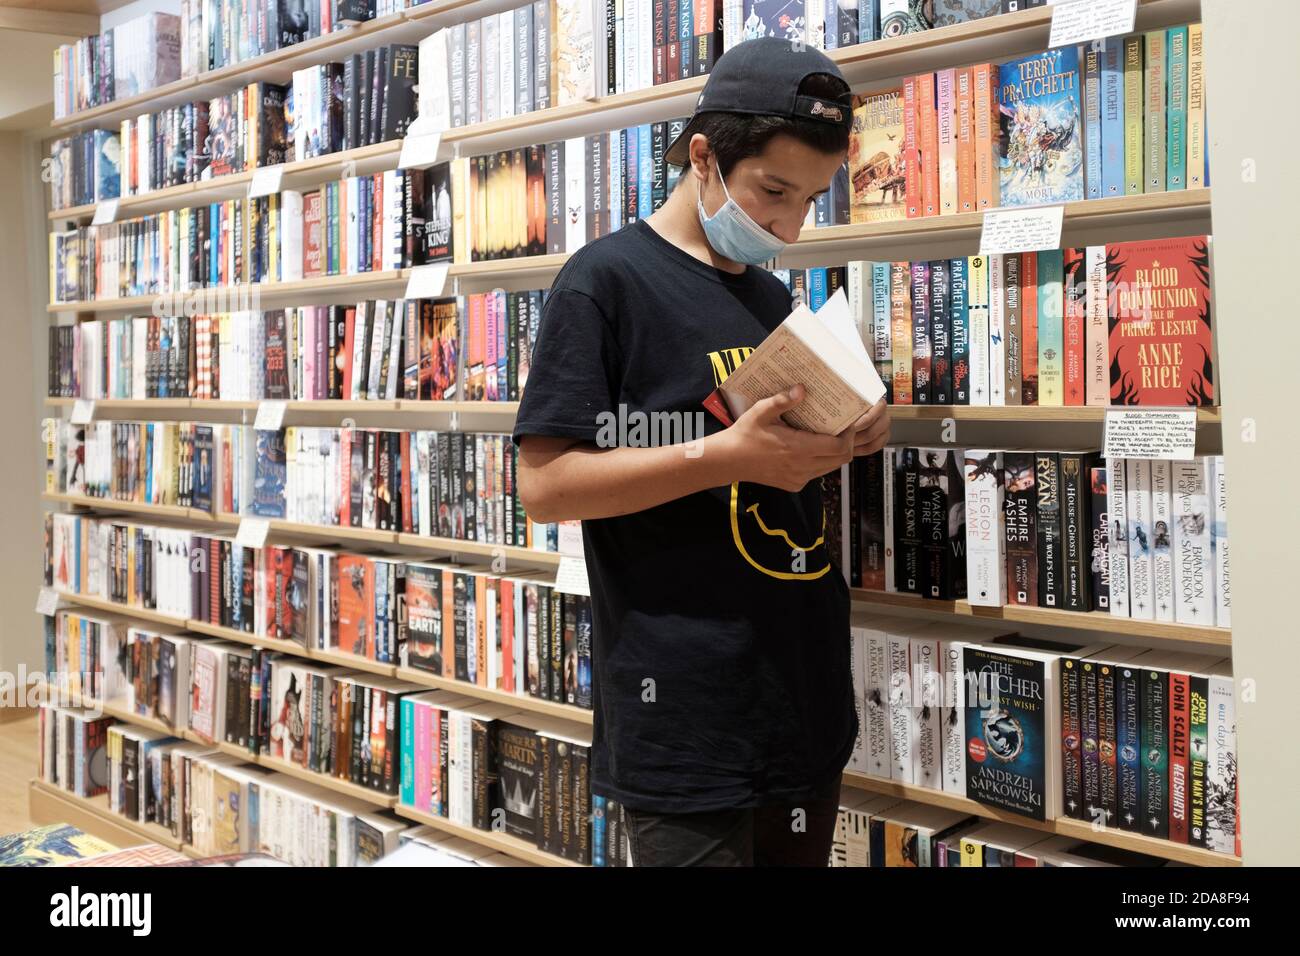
(724, 707)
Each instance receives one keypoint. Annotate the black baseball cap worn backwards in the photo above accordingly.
(762, 76)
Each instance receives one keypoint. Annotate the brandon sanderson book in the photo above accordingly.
(1039, 140)
(1161, 344)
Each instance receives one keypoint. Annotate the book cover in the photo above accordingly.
(876, 162)
(1039, 139)
(1160, 338)
(1021, 528)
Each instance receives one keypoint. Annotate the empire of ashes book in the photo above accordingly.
(1039, 139)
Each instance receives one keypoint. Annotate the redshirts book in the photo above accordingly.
(1161, 342)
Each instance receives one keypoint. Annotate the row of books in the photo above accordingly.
(513, 633)
(1139, 740)
(443, 484)
(877, 830)
(126, 60)
(1127, 323)
(1121, 116)
(357, 225)
(1139, 538)
(476, 345)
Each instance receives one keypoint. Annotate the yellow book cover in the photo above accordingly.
(460, 202)
(876, 157)
(972, 852)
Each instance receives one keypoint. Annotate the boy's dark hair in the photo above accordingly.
(737, 136)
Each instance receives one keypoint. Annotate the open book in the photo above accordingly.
(820, 350)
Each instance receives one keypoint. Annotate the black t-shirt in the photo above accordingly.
(721, 650)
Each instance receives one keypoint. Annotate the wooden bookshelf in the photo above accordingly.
(531, 704)
(126, 610)
(1215, 639)
(1023, 413)
(202, 407)
(112, 504)
(1136, 842)
(50, 804)
(510, 845)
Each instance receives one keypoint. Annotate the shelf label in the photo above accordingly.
(252, 532)
(427, 282)
(1081, 21)
(47, 600)
(1162, 433)
(572, 577)
(265, 181)
(1021, 230)
(270, 416)
(105, 212)
(83, 411)
(419, 151)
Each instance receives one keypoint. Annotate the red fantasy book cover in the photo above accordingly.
(1074, 323)
(1161, 344)
(311, 236)
(356, 600)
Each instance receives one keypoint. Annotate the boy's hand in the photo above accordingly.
(871, 431)
(769, 452)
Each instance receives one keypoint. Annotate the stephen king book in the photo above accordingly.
(1161, 344)
(1039, 139)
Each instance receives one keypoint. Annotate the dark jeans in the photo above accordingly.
(774, 835)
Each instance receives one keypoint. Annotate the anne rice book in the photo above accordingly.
(821, 347)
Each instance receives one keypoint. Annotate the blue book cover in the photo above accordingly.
(1039, 138)
(268, 475)
(685, 36)
(1176, 108)
(1092, 119)
(959, 323)
(1006, 729)
(108, 176)
(631, 167)
(1112, 117)
(816, 288)
(645, 173)
(868, 20)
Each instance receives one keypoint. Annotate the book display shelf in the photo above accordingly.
(874, 65)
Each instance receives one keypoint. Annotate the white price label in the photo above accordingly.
(265, 181)
(419, 150)
(270, 416)
(427, 282)
(105, 212)
(572, 577)
(1162, 433)
(252, 532)
(1021, 230)
(1081, 21)
(47, 600)
(83, 411)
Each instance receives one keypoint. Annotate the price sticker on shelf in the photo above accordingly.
(105, 212)
(1082, 21)
(1021, 230)
(266, 181)
(83, 411)
(572, 577)
(47, 601)
(270, 416)
(427, 282)
(419, 150)
(1163, 433)
(252, 532)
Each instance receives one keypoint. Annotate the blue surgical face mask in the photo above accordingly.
(734, 234)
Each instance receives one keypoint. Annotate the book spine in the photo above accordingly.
(1154, 82)
(1117, 535)
(1221, 767)
(928, 123)
(1029, 329)
(1071, 739)
(1051, 329)
(1048, 522)
(985, 96)
(997, 331)
(978, 320)
(946, 132)
(1074, 321)
(1011, 337)
(922, 365)
(1219, 543)
(1096, 365)
(1195, 108)
(1139, 506)
(959, 324)
(1112, 117)
(1162, 532)
(986, 566)
(941, 367)
(1099, 535)
(1074, 495)
(1106, 742)
(1020, 528)
(1179, 754)
(1134, 126)
(912, 188)
(1176, 110)
(1198, 698)
(900, 311)
(1092, 103)
(1155, 753)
